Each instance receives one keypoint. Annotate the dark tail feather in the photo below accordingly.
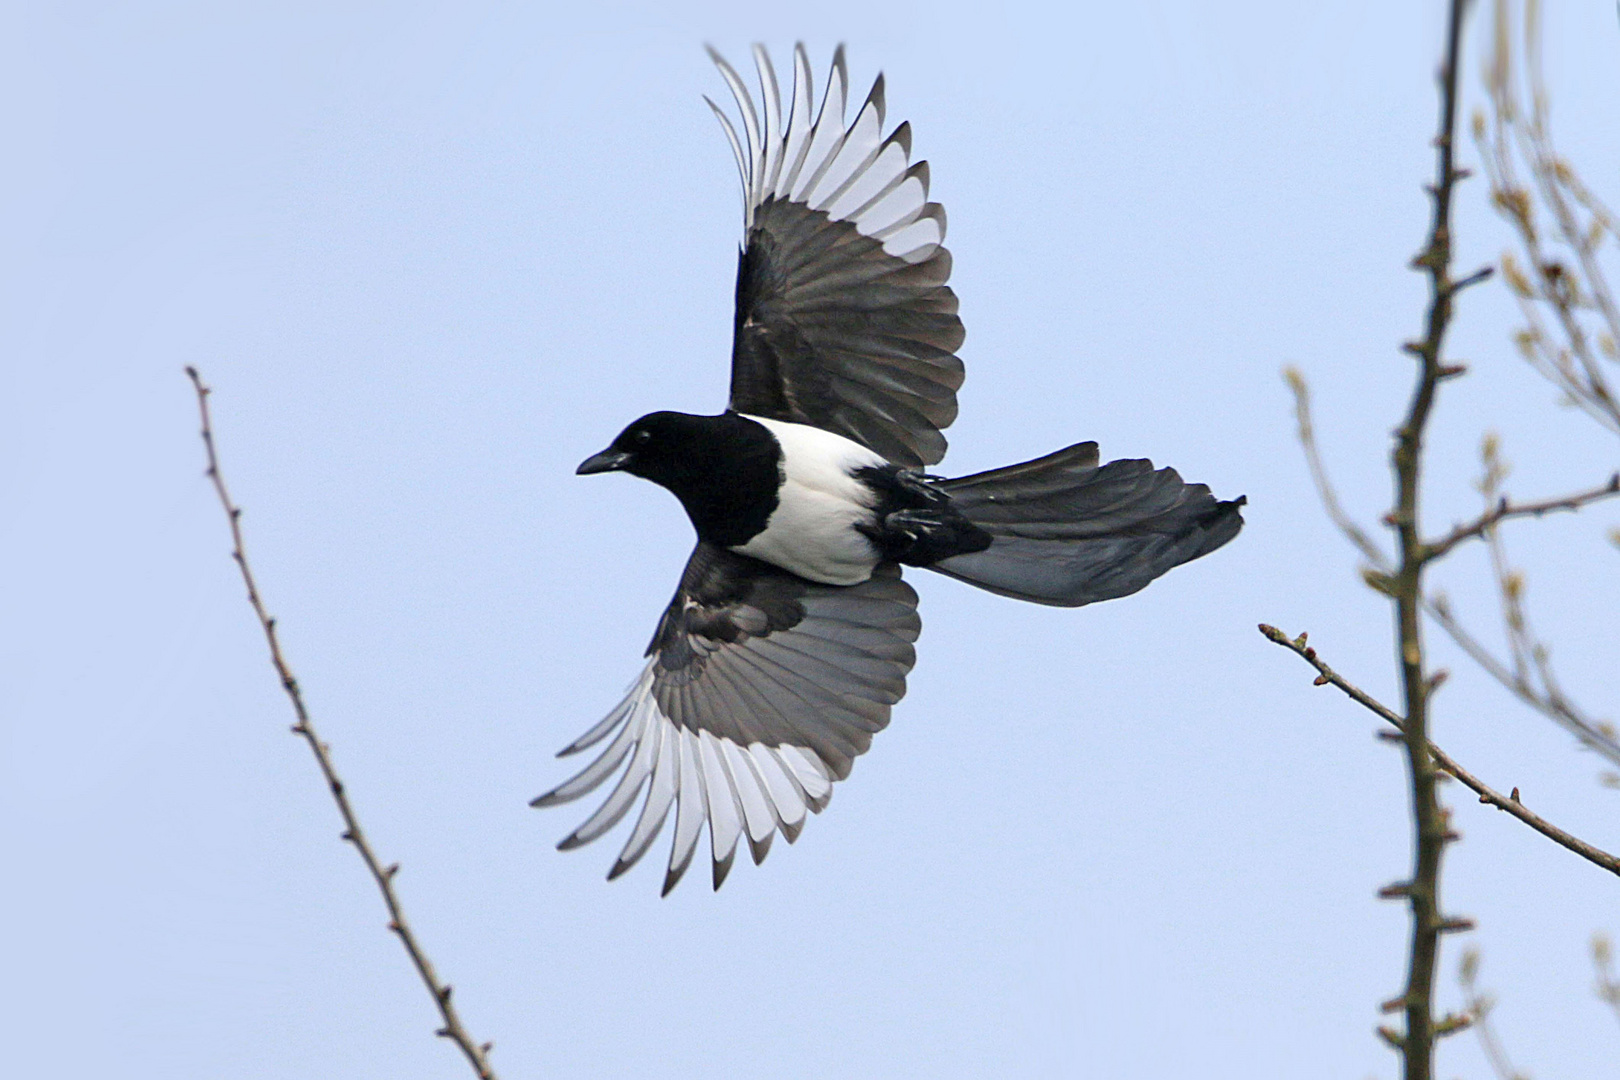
(1069, 532)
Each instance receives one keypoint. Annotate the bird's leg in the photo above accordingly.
(915, 521)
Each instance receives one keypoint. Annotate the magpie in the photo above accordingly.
(791, 632)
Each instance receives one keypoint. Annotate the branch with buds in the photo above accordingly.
(476, 1053)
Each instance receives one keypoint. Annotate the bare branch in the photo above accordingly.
(1324, 485)
(1531, 677)
(477, 1054)
(1510, 803)
(1608, 986)
(1572, 366)
(1506, 510)
(1593, 734)
(1590, 732)
(1562, 275)
(1478, 1005)
(1405, 586)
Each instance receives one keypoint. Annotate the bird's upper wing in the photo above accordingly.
(844, 321)
(761, 690)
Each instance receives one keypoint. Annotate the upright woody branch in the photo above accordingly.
(1405, 585)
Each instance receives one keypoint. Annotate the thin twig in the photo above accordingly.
(477, 1054)
(1505, 509)
(1326, 676)
(1509, 585)
(1478, 1005)
(1590, 732)
(1608, 986)
(1519, 133)
(1532, 659)
(1319, 474)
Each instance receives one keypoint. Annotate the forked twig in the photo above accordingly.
(477, 1054)
(1592, 734)
(1562, 274)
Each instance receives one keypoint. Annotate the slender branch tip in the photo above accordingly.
(453, 1029)
(1444, 762)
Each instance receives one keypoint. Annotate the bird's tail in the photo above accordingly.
(1067, 531)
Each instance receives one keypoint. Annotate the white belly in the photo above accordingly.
(812, 531)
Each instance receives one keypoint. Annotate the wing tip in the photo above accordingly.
(875, 97)
(902, 136)
(762, 59)
(722, 867)
(672, 878)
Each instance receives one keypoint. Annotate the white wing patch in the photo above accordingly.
(852, 172)
(754, 790)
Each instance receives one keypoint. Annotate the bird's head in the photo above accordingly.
(724, 468)
(662, 447)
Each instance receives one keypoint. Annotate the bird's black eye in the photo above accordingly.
(641, 436)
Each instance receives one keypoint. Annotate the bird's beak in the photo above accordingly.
(607, 461)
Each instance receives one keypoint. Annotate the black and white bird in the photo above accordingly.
(790, 635)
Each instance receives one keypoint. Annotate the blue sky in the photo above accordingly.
(430, 256)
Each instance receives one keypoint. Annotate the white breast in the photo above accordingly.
(812, 531)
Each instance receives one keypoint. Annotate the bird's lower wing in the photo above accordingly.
(761, 690)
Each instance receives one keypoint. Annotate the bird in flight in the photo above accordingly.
(791, 633)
